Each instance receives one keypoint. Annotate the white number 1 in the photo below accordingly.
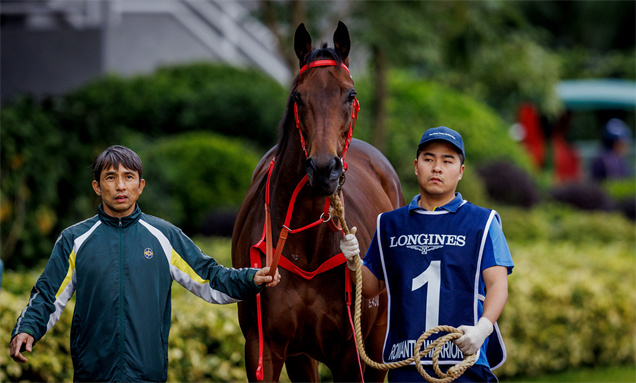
(432, 277)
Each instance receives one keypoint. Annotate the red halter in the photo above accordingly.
(354, 111)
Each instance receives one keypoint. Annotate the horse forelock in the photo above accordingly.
(323, 53)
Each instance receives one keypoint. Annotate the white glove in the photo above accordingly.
(350, 248)
(474, 336)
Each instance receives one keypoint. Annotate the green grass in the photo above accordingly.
(588, 375)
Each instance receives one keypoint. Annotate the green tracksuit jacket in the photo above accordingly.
(121, 271)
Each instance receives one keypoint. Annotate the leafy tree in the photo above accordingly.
(593, 38)
(47, 148)
(484, 48)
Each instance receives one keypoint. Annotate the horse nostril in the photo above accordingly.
(336, 167)
(310, 166)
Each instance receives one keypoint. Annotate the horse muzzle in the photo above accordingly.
(324, 176)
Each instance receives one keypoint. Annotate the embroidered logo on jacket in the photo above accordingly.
(148, 253)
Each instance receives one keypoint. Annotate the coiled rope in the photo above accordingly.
(436, 346)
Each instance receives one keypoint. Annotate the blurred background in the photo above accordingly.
(544, 94)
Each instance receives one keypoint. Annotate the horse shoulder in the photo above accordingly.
(368, 157)
(263, 164)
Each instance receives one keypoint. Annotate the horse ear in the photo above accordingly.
(341, 40)
(302, 43)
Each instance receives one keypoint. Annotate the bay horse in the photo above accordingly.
(306, 318)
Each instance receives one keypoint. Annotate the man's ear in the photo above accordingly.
(97, 189)
(142, 185)
(415, 165)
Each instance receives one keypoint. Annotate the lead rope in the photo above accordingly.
(453, 373)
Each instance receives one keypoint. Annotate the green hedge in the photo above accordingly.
(554, 223)
(200, 96)
(416, 105)
(47, 147)
(190, 175)
(572, 304)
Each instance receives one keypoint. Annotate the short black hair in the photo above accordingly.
(114, 156)
(421, 148)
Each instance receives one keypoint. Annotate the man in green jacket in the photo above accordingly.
(121, 264)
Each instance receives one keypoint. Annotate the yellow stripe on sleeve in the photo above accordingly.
(69, 274)
(182, 265)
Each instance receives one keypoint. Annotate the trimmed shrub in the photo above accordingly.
(553, 222)
(200, 96)
(416, 105)
(508, 184)
(570, 306)
(190, 175)
(583, 196)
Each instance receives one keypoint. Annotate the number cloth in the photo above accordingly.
(432, 263)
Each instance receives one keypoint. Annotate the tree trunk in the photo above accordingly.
(285, 45)
(378, 102)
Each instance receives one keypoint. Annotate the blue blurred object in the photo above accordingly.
(614, 130)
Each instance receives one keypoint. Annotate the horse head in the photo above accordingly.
(325, 105)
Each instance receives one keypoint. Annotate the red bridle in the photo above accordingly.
(354, 111)
(274, 255)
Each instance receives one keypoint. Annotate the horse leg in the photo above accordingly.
(344, 365)
(272, 364)
(302, 368)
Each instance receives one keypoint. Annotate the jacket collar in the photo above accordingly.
(451, 207)
(114, 221)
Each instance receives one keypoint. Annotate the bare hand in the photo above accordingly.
(21, 340)
(262, 277)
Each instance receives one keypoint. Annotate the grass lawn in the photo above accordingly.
(595, 375)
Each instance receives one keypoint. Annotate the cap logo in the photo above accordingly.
(442, 134)
(148, 253)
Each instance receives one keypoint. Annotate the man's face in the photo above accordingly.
(438, 169)
(119, 190)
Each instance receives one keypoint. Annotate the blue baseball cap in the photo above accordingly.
(442, 133)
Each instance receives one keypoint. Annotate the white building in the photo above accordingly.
(51, 46)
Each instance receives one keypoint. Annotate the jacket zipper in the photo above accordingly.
(121, 302)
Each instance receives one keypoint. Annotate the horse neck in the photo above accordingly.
(289, 169)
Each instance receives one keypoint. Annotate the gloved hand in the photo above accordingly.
(474, 336)
(350, 248)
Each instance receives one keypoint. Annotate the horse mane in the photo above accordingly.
(288, 118)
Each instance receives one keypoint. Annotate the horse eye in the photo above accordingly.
(351, 96)
(297, 99)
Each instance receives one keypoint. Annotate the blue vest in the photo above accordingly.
(431, 264)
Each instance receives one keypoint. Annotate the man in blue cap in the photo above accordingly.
(442, 261)
(611, 164)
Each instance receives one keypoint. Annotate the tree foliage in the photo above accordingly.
(417, 105)
(47, 147)
(500, 52)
